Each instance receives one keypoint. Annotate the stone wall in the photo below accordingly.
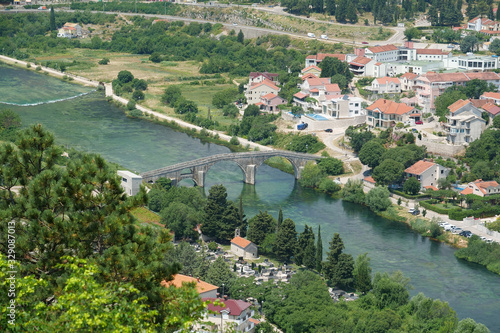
(440, 148)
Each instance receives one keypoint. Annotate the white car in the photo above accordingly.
(449, 227)
(324, 37)
(457, 230)
(311, 35)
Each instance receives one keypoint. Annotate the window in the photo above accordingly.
(124, 180)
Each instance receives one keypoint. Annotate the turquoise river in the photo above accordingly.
(87, 122)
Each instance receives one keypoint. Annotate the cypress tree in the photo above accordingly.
(240, 38)
(330, 7)
(319, 251)
(52, 19)
(286, 241)
(498, 14)
(280, 220)
(306, 238)
(341, 11)
(332, 256)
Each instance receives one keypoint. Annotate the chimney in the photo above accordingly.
(432, 160)
(225, 297)
(217, 295)
(198, 279)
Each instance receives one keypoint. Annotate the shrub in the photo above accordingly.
(131, 105)
(135, 113)
(378, 199)
(28, 65)
(212, 246)
(328, 186)
(234, 141)
(138, 95)
(103, 61)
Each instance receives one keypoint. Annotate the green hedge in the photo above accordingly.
(409, 196)
(428, 205)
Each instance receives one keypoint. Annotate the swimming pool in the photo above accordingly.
(316, 116)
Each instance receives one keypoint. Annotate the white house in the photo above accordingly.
(385, 113)
(244, 248)
(385, 85)
(495, 96)
(343, 107)
(70, 30)
(131, 183)
(256, 90)
(427, 173)
(464, 123)
(482, 188)
(383, 53)
(407, 81)
(231, 315)
(317, 58)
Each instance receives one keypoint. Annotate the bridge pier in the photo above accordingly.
(250, 174)
(199, 177)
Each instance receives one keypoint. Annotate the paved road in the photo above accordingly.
(397, 38)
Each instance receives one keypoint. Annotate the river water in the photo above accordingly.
(89, 123)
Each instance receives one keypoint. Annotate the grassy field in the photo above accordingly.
(144, 215)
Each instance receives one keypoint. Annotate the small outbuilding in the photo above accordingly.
(131, 183)
(242, 247)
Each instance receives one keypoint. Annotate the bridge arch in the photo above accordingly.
(248, 163)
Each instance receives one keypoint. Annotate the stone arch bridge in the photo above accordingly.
(248, 162)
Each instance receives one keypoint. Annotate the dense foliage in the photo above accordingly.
(59, 206)
(482, 253)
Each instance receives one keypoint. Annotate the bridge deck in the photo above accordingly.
(227, 157)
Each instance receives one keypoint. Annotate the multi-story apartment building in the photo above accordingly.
(343, 107)
(464, 123)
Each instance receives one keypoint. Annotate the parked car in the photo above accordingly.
(449, 227)
(419, 122)
(457, 230)
(466, 233)
(311, 35)
(324, 37)
(328, 130)
(364, 42)
(414, 211)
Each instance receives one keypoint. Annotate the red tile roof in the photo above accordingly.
(266, 82)
(458, 105)
(332, 87)
(300, 95)
(466, 191)
(409, 76)
(387, 79)
(494, 95)
(318, 81)
(265, 74)
(369, 179)
(269, 96)
(360, 61)
(491, 108)
(253, 320)
(419, 167)
(241, 242)
(390, 107)
(321, 56)
(314, 90)
(484, 185)
(483, 76)
(383, 48)
(430, 187)
(478, 103)
(179, 280)
(235, 307)
(309, 75)
(311, 67)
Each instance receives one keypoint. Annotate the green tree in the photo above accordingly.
(138, 95)
(377, 199)
(52, 22)
(330, 7)
(412, 33)
(230, 110)
(125, 77)
(343, 272)
(319, 251)
(251, 111)
(331, 166)
(186, 255)
(363, 274)
(259, 226)
(185, 106)
(496, 122)
(286, 241)
(171, 95)
(332, 256)
(411, 186)
(469, 44)
(10, 123)
(224, 97)
(390, 290)
(312, 175)
(341, 11)
(358, 138)
(371, 153)
(214, 210)
(388, 172)
(468, 325)
(220, 273)
(280, 220)
(304, 240)
(240, 38)
(353, 191)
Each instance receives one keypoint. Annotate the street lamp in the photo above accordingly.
(223, 290)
